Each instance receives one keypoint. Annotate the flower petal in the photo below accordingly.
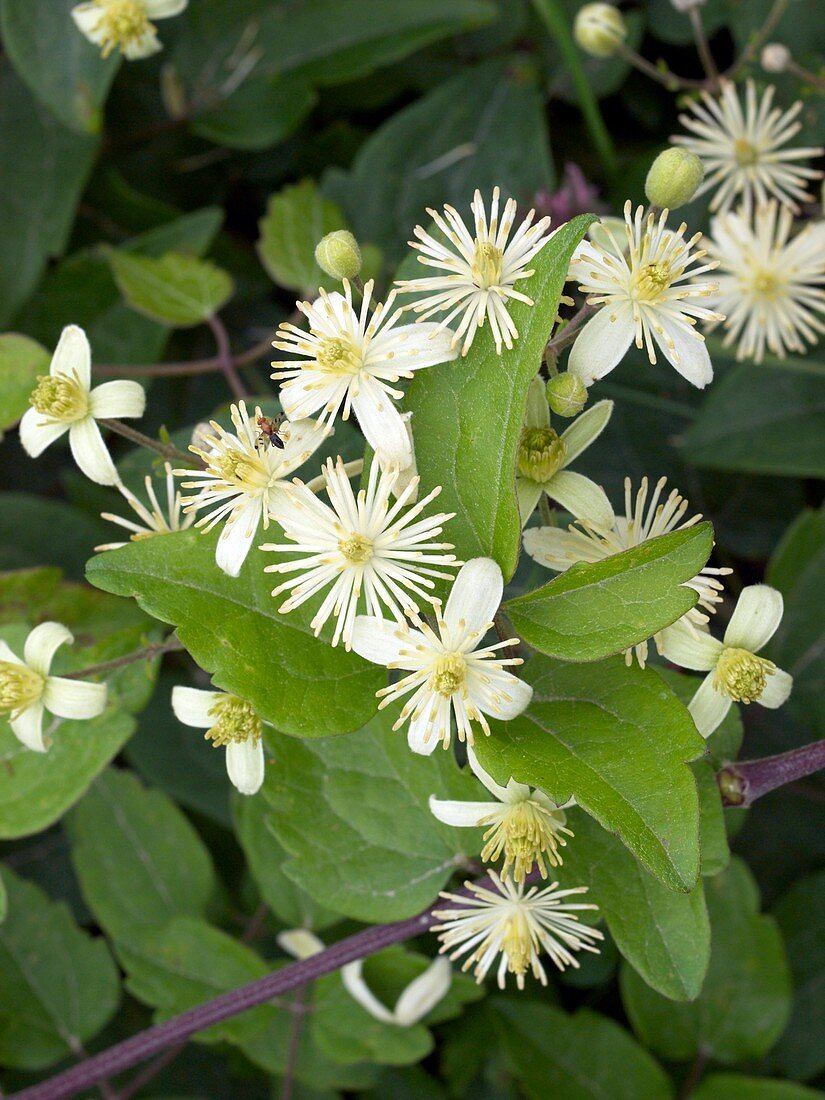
(43, 643)
(463, 815)
(36, 434)
(27, 727)
(8, 654)
(192, 706)
(585, 429)
(352, 977)
(708, 707)
(423, 345)
(236, 538)
(164, 9)
(484, 777)
(116, 399)
(73, 354)
(424, 992)
(74, 698)
(145, 46)
(580, 496)
(381, 640)
(601, 345)
(476, 595)
(245, 764)
(554, 547)
(689, 354)
(300, 943)
(382, 425)
(88, 22)
(755, 618)
(90, 452)
(777, 689)
(688, 647)
(528, 493)
(417, 736)
(520, 696)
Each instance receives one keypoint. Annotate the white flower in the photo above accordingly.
(735, 673)
(770, 287)
(742, 149)
(360, 544)
(230, 722)
(480, 271)
(560, 549)
(153, 522)
(352, 359)
(517, 925)
(448, 674)
(65, 402)
(27, 690)
(125, 24)
(245, 481)
(525, 825)
(644, 297)
(544, 455)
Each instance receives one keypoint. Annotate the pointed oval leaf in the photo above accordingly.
(176, 289)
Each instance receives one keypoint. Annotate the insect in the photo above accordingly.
(268, 431)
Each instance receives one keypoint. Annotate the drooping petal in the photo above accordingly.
(90, 452)
(420, 736)
(580, 496)
(74, 698)
(708, 707)
(236, 538)
(554, 547)
(382, 425)
(115, 399)
(688, 353)
(528, 493)
(192, 706)
(299, 942)
(520, 696)
(245, 764)
(27, 727)
(463, 814)
(36, 434)
(43, 643)
(777, 689)
(8, 654)
(601, 345)
(423, 346)
(585, 429)
(73, 354)
(164, 9)
(475, 596)
(755, 618)
(688, 647)
(381, 640)
(145, 46)
(88, 22)
(424, 992)
(353, 979)
(501, 793)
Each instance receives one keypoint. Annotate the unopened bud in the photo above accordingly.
(599, 29)
(775, 57)
(566, 394)
(338, 254)
(674, 178)
(686, 5)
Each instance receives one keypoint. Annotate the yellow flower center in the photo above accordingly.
(122, 22)
(235, 720)
(356, 549)
(487, 265)
(448, 674)
(766, 285)
(526, 833)
(741, 675)
(540, 454)
(20, 686)
(60, 397)
(651, 280)
(339, 356)
(238, 468)
(745, 154)
(518, 945)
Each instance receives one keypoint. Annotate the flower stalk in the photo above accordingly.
(145, 653)
(743, 782)
(167, 450)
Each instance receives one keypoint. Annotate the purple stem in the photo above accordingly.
(224, 357)
(743, 782)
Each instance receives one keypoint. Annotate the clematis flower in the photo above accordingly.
(27, 691)
(64, 401)
(735, 672)
(153, 522)
(230, 723)
(125, 24)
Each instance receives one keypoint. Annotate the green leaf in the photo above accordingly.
(63, 69)
(21, 361)
(296, 219)
(580, 1057)
(664, 934)
(473, 409)
(23, 519)
(767, 420)
(58, 985)
(746, 999)
(352, 813)
(725, 742)
(138, 859)
(176, 290)
(732, 1086)
(41, 186)
(261, 113)
(231, 628)
(596, 609)
(616, 740)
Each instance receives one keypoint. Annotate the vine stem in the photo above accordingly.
(168, 450)
(703, 48)
(570, 331)
(146, 653)
(741, 783)
(188, 366)
(774, 15)
(224, 357)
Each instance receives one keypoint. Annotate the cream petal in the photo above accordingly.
(463, 814)
(74, 698)
(553, 546)
(689, 354)
(90, 452)
(113, 400)
(382, 640)
(585, 429)
(417, 737)
(237, 536)
(688, 647)
(484, 777)
(537, 413)
(382, 425)
(777, 689)
(601, 345)
(352, 977)
(164, 9)
(528, 493)
(43, 643)
(424, 992)
(192, 705)
(580, 496)
(424, 345)
(87, 18)
(28, 728)
(36, 435)
(708, 707)
(245, 764)
(475, 595)
(520, 696)
(8, 654)
(300, 943)
(145, 46)
(755, 618)
(73, 355)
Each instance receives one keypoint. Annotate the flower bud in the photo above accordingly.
(674, 178)
(338, 254)
(686, 5)
(566, 394)
(775, 57)
(599, 29)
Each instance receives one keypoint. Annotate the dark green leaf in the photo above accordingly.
(176, 290)
(731, 1086)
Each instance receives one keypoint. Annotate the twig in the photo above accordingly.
(168, 450)
(745, 781)
(225, 360)
(568, 333)
(670, 80)
(294, 1044)
(186, 367)
(696, 1071)
(752, 49)
(705, 56)
(146, 653)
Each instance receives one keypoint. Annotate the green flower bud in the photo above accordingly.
(599, 29)
(674, 178)
(338, 255)
(566, 394)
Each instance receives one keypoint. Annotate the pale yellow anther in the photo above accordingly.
(60, 397)
(235, 720)
(20, 686)
(448, 675)
(741, 675)
(122, 23)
